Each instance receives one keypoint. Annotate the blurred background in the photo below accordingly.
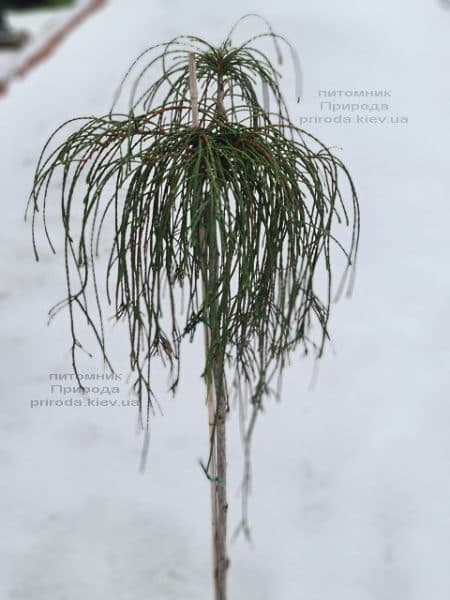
(10, 37)
(351, 480)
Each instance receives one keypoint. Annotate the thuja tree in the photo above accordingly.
(207, 189)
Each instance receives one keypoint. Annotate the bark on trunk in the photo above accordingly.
(220, 488)
(216, 398)
(217, 413)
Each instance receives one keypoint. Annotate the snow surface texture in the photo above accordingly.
(351, 479)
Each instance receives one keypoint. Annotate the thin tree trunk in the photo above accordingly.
(220, 488)
(216, 399)
(211, 402)
(220, 574)
(218, 439)
(217, 411)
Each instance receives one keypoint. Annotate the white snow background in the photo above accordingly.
(351, 487)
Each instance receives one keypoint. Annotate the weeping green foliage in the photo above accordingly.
(238, 213)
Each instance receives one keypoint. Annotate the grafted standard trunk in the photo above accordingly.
(216, 396)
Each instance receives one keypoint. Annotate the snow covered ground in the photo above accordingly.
(351, 479)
